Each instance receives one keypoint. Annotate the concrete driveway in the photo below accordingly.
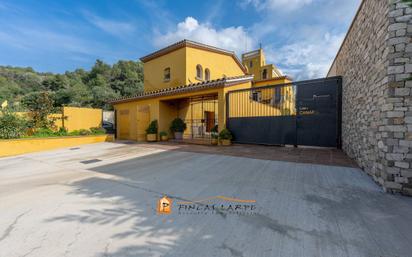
(101, 200)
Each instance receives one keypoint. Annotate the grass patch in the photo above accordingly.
(44, 132)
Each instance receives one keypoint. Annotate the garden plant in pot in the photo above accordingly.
(177, 127)
(151, 132)
(225, 137)
(215, 135)
(163, 136)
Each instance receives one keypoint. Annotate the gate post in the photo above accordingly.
(339, 112)
(227, 110)
(296, 117)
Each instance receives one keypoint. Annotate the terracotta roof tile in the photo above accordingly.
(228, 81)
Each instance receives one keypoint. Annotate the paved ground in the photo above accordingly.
(53, 205)
(289, 154)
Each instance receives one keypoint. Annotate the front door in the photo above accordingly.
(123, 124)
(143, 120)
(210, 120)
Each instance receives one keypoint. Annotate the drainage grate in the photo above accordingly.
(75, 148)
(90, 161)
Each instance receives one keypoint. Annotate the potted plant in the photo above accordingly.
(177, 127)
(151, 131)
(163, 136)
(215, 135)
(225, 137)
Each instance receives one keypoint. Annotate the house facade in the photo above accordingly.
(188, 80)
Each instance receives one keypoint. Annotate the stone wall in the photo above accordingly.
(374, 61)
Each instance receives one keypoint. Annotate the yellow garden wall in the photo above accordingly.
(28, 145)
(77, 118)
(57, 117)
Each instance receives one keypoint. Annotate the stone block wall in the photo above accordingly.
(375, 63)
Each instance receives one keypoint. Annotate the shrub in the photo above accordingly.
(178, 125)
(215, 129)
(61, 132)
(97, 131)
(163, 133)
(214, 132)
(74, 133)
(84, 132)
(153, 127)
(40, 105)
(12, 125)
(44, 132)
(225, 134)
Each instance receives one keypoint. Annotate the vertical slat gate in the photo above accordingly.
(299, 113)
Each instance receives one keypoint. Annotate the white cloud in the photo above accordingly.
(283, 5)
(307, 56)
(230, 38)
(117, 28)
(307, 59)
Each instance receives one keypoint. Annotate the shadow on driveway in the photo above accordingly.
(302, 209)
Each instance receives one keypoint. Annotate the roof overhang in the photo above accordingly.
(217, 83)
(273, 79)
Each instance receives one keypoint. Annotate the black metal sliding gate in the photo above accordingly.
(300, 113)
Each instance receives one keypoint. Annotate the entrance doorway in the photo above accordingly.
(200, 113)
(203, 116)
(210, 120)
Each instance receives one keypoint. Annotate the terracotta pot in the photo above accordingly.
(214, 141)
(151, 137)
(225, 142)
(179, 135)
(164, 138)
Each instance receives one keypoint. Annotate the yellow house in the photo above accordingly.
(188, 80)
(265, 76)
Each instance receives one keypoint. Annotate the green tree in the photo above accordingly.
(40, 105)
(127, 78)
(100, 68)
(56, 82)
(76, 88)
(9, 90)
(101, 92)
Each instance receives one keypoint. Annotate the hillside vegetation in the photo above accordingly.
(78, 88)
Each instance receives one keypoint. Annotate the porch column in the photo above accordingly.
(221, 110)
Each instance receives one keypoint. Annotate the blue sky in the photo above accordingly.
(300, 36)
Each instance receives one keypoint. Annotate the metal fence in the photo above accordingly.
(299, 113)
